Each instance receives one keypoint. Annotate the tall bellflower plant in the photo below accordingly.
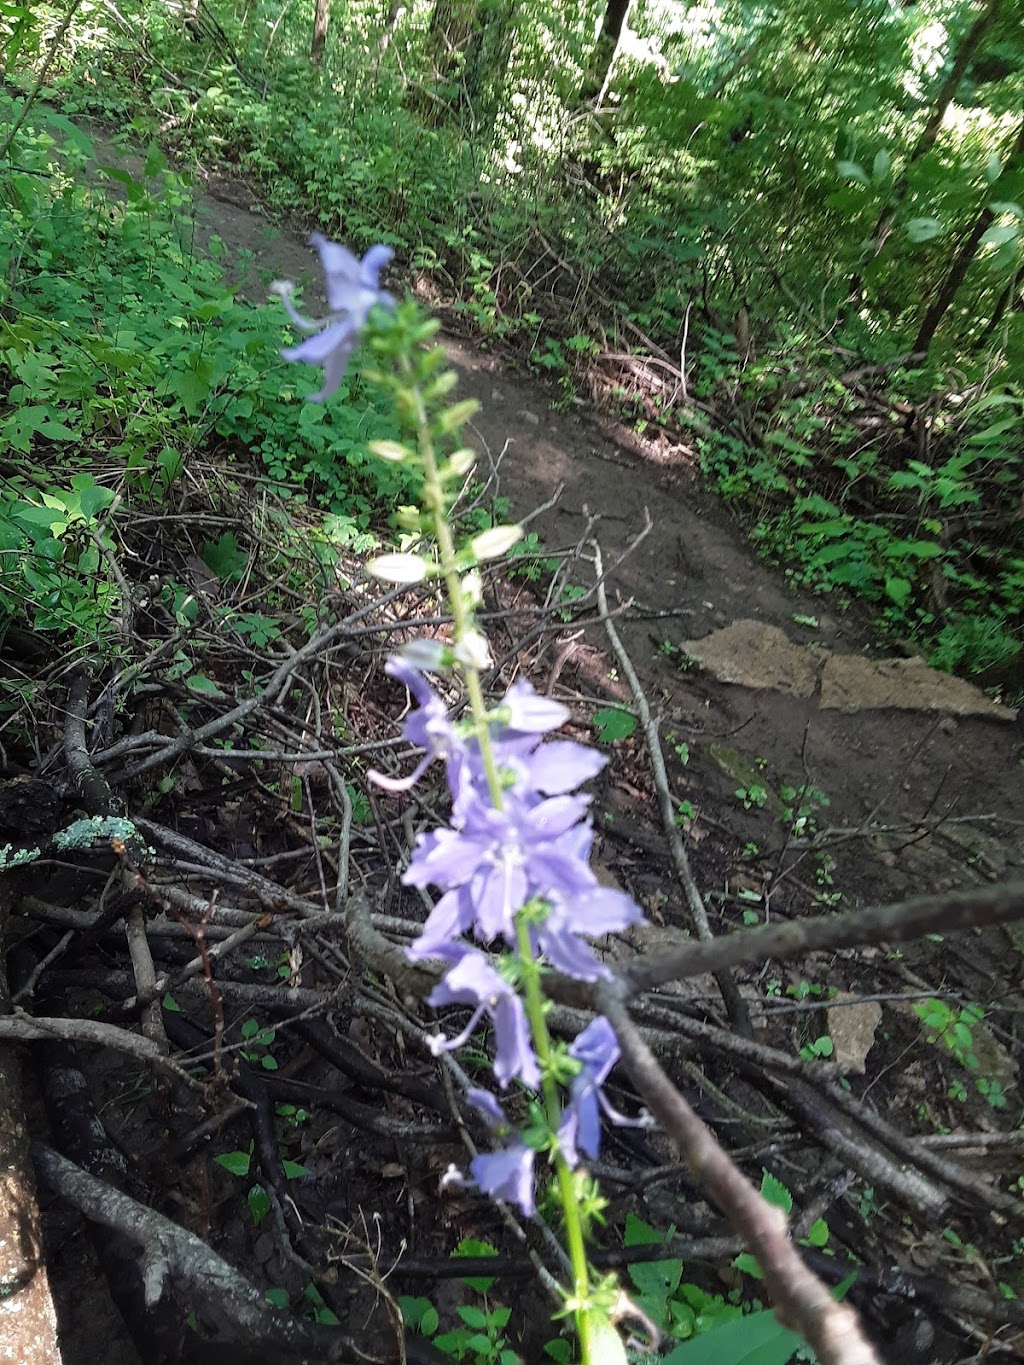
(512, 864)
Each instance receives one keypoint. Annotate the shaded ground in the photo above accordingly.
(881, 804)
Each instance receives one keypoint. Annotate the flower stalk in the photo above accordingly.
(512, 865)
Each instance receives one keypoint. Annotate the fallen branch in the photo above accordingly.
(171, 1255)
(801, 1300)
(947, 913)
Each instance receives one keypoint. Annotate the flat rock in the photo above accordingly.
(754, 654)
(850, 682)
(852, 1027)
(757, 655)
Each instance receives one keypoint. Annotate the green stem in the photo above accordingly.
(530, 970)
(434, 501)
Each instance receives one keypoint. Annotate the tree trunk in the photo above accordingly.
(968, 248)
(602, 60)
(930, 131)
(451, 27)
(487, 59)
(321, 22)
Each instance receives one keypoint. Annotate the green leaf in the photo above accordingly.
(881, 167)
(259, 1204)
(750, 1265)
(612, 724)
(236, 1162)
(818, 1233)
(419, 1314)
(898, 590)
(470, 1246)
(1000, 233)
(657, 1280)
(225, 558)
(170, 1004)
(473, 1317)
(756, 1339)
(776, 1193)
(849, 170)
(280, 1298)
(293, 1170)
(206, 687)
(923, 229)
(638, 1233)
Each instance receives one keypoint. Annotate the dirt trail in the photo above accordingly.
(693, 574)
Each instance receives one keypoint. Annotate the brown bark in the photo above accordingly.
(968, 249)
(28, 1321)
(321, 23)
(602, 61)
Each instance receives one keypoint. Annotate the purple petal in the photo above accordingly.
(554, 874)
(532, 713)
(562, 766)
(498, 889)
(597, 1048)
(341, 269)
(411, 678)
(554, 817)
(450, 917)
(334, 371)
(507, 1176)
(485, 1103)
(601, 911)
(470, 982)
(376, 259)
(316, 350)
(514, 1055)
(568, 953)
(444, 858)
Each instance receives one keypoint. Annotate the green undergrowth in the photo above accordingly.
(933, 540)
(129, 372)
(570, 245)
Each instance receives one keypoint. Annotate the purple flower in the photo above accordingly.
(595, 912)
(473, 981)
(597, 1049)
(530, 713)
(507, 1174)
(352, 290)
(490, 862)
(428, 727)
(502, 859)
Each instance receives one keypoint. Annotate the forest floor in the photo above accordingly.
(809, 763)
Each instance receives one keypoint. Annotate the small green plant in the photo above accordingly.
(752, 796)
(821, 1048)
(810, 990)
(480, 1338)
(953, 1028)
(259, 1044)
(800, 806)
(613, 724)
(529, 563)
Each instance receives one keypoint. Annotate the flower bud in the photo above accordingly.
(472, 651)
(497, 541)
(398, 568)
